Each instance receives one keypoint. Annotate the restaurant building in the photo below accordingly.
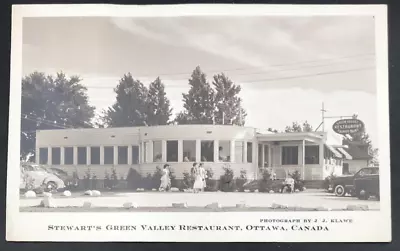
(99, 150)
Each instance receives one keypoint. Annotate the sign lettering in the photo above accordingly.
(348, 126)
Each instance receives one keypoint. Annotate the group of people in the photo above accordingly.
(197, 171)
(200, 175)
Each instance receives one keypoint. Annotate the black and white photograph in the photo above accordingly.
(283, 117)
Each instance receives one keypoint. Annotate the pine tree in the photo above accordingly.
(228, 106)
(158, 105)
(198, 102)
(130, 108)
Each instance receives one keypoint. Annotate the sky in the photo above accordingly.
(287, 66)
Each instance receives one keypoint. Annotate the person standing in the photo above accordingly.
(198, 180)
(165, 180)
(203, 175)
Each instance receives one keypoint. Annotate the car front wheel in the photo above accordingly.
(340, 190)
(51, 186)
(363, 195)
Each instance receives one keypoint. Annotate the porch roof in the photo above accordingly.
(291, 136)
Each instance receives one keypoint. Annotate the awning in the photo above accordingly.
(333, 150)
(346, 154)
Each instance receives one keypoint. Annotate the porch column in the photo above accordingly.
(263, 155)
(269, 156)
(304, 160)
(244, 151)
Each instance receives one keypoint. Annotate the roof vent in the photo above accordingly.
(112, 136)
(209, 132)
(65, 137)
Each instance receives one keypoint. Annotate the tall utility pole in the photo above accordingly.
(323, 117)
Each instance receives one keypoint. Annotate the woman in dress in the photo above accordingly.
(198, 180)
(165, 180)
(203, 175)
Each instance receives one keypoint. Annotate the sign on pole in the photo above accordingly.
(348, 126)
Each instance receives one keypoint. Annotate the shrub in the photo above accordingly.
(156, 178)
(298, 182)
(227, 182)
(107, 183)
(134, 179)
(147, 182)
(327, 181)
(211, 184)
(114, 178)
(264, 184)
(188, 180)
(241, 180)
(94, 182)
(172, 177)
(87, 179)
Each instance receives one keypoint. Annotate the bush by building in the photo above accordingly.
(227, 181)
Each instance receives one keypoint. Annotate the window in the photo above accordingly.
(260, 155)
(95, 155)
(56, 156)
(311, 155)
(122, 155)
(346, 169)
(249, 152)
(135, 154)
(239, 148)
(68, 155)
(224, 151)
(82, 156)
(290, 155)
(43, 156)
(207, 151)
(189, 150)
(157, 151)
(172, 151)
(108, 155)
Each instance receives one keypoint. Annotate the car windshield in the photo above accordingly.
(368, 171)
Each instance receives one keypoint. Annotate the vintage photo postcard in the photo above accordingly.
(199, 123)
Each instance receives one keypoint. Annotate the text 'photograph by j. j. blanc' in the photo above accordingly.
(267, 116)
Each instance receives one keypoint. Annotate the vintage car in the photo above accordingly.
(36, 177)
(69, 181)
(367, 185)
(342, 185)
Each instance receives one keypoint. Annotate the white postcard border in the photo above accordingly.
(368, 226)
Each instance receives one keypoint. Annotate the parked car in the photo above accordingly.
(35, 177)
(69, 181)
(342, 185)
(367, 185)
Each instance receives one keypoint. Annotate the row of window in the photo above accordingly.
(189, 153)
(94, 155)
(206, 151)
(290, 155)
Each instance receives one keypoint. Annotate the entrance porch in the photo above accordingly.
(284, 153)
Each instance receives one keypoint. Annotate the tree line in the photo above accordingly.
(56, 102)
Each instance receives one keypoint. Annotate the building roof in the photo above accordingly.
(357, 151)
